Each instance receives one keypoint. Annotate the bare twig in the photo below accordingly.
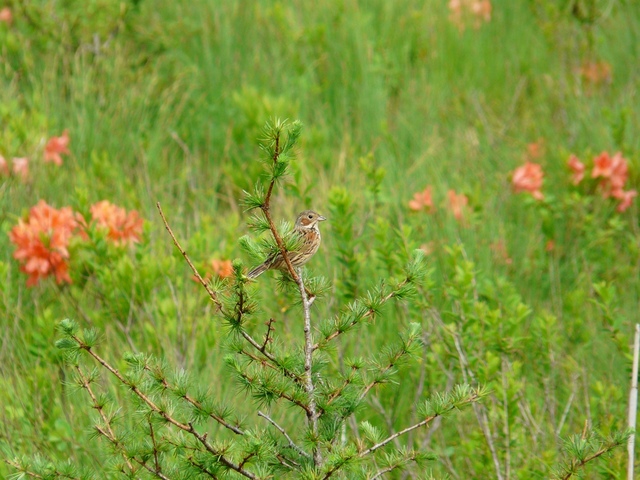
(390, 468)
(565, 413)
(267, 336)
(155, 448)
(211, 293)
(308, 363)
(286, 435)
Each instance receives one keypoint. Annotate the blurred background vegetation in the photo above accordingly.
(165, 100)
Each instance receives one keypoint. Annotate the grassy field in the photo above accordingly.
(165, 101)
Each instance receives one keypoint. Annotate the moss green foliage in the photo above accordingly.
(532, 302)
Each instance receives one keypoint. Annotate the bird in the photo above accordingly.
(307, 228)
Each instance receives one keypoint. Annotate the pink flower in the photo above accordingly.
(577, 168)
(535, 150)
(4, 167)
(482, 9)
(55, 147)
(619, 172)
(422, 201)
(222, 268)
(6, 16)
(21, 167)
(626, 198)
(528, 178)
(457, 203)
(613, 171)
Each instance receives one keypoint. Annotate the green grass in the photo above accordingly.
(170, 110)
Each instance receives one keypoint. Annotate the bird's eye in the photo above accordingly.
(310, 216)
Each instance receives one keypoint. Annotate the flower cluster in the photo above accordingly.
(528, 178)
(53, 151)
(463, 12)
(423, 201)
(596, 73)
(19, 167)
(55, 147)
(122, 227)
(612, 172)
(42, 240)
(6, 16)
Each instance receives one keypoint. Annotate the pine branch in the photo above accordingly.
(575, 465)
(307, 297)
(188, 427)
(108, 433)
(370, 311)
(411, 456)
(286, 435)
(585, 448)
(277, 365)
(252, 381)
(25, 471)
(186, 397)
(473, 397)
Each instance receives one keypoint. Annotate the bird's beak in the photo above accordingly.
(321, 218)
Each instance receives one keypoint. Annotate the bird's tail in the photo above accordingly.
(256, 272)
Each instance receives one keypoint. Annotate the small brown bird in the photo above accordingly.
(307, 227)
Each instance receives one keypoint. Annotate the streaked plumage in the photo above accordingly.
(307, 227)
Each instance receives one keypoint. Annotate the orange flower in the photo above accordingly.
(625, 199)
(4, 167)
(122, 227)
(619, 172)
(21, 167)
(577, 168)
(6, 16)
(482, 9)
(55, 147)
(42, 242)
(457, 203)
(422, 201)
(602, 166)
(535, 150)
(222, 268)
(614, 172)
(463, 11)
(596, 73)
(528, 178)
